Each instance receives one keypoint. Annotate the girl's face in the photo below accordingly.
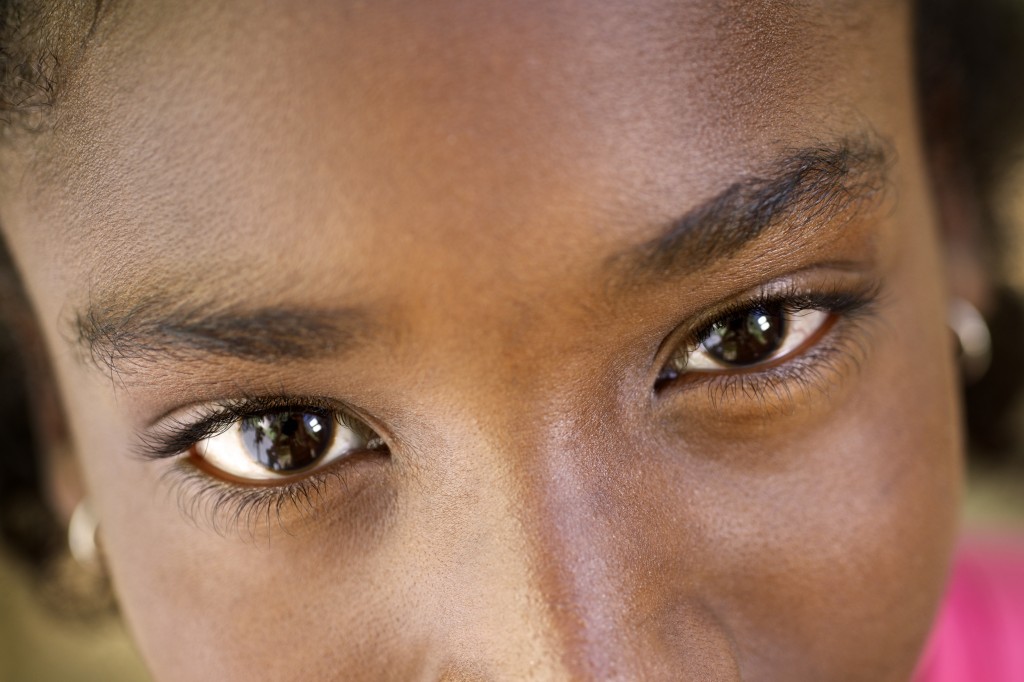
(540, 339)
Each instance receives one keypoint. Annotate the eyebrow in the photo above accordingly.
(805, 189)
(149, 333)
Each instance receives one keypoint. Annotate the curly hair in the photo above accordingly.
(39, 40)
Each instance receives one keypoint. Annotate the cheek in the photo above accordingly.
(237, 602)
(833, 557)
(838, 564)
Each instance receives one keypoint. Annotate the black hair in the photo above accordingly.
(970, 55)
(38, 40)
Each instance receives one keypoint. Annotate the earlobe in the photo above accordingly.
(965, 239)
(968, 271)
(61, 480)
(968, 279)
(962, 217)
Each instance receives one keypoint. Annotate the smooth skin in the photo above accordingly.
(435, 201)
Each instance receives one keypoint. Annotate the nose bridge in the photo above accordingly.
(587, 573)
(618, 607)
(580, 548)
(575, 547)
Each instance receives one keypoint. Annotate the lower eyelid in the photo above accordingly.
(251, 509)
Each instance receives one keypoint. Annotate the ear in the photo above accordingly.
(60, 477)
(33, 398)
(62, 481)
(963, 223)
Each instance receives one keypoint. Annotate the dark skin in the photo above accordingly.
(486, 230)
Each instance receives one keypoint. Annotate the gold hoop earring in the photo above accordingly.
(974, 340)
(76, 584)
(82, 536)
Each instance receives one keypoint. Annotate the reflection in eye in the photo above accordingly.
(756, 336)
(274, 444)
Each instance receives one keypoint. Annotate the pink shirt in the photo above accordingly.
(979, 633)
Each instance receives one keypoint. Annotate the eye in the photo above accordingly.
(278, 444)
(759, 335)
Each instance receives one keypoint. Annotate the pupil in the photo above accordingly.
(287, 441)
(748, 338)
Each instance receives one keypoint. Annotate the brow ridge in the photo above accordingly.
(808, 188)
(148, 333)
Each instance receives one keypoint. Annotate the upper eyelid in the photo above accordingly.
(696, 329)
(788, 305)
(166, 440)
(853, 296)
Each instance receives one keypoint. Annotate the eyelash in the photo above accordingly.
(212, 420)
(225, 505)
(774, 382)
(230, 507)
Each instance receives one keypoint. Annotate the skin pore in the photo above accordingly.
(485, 230)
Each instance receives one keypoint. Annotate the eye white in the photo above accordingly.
(800, 326)
(228, 452)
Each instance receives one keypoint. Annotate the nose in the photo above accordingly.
(572, 566)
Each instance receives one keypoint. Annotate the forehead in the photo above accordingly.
(215, 141)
